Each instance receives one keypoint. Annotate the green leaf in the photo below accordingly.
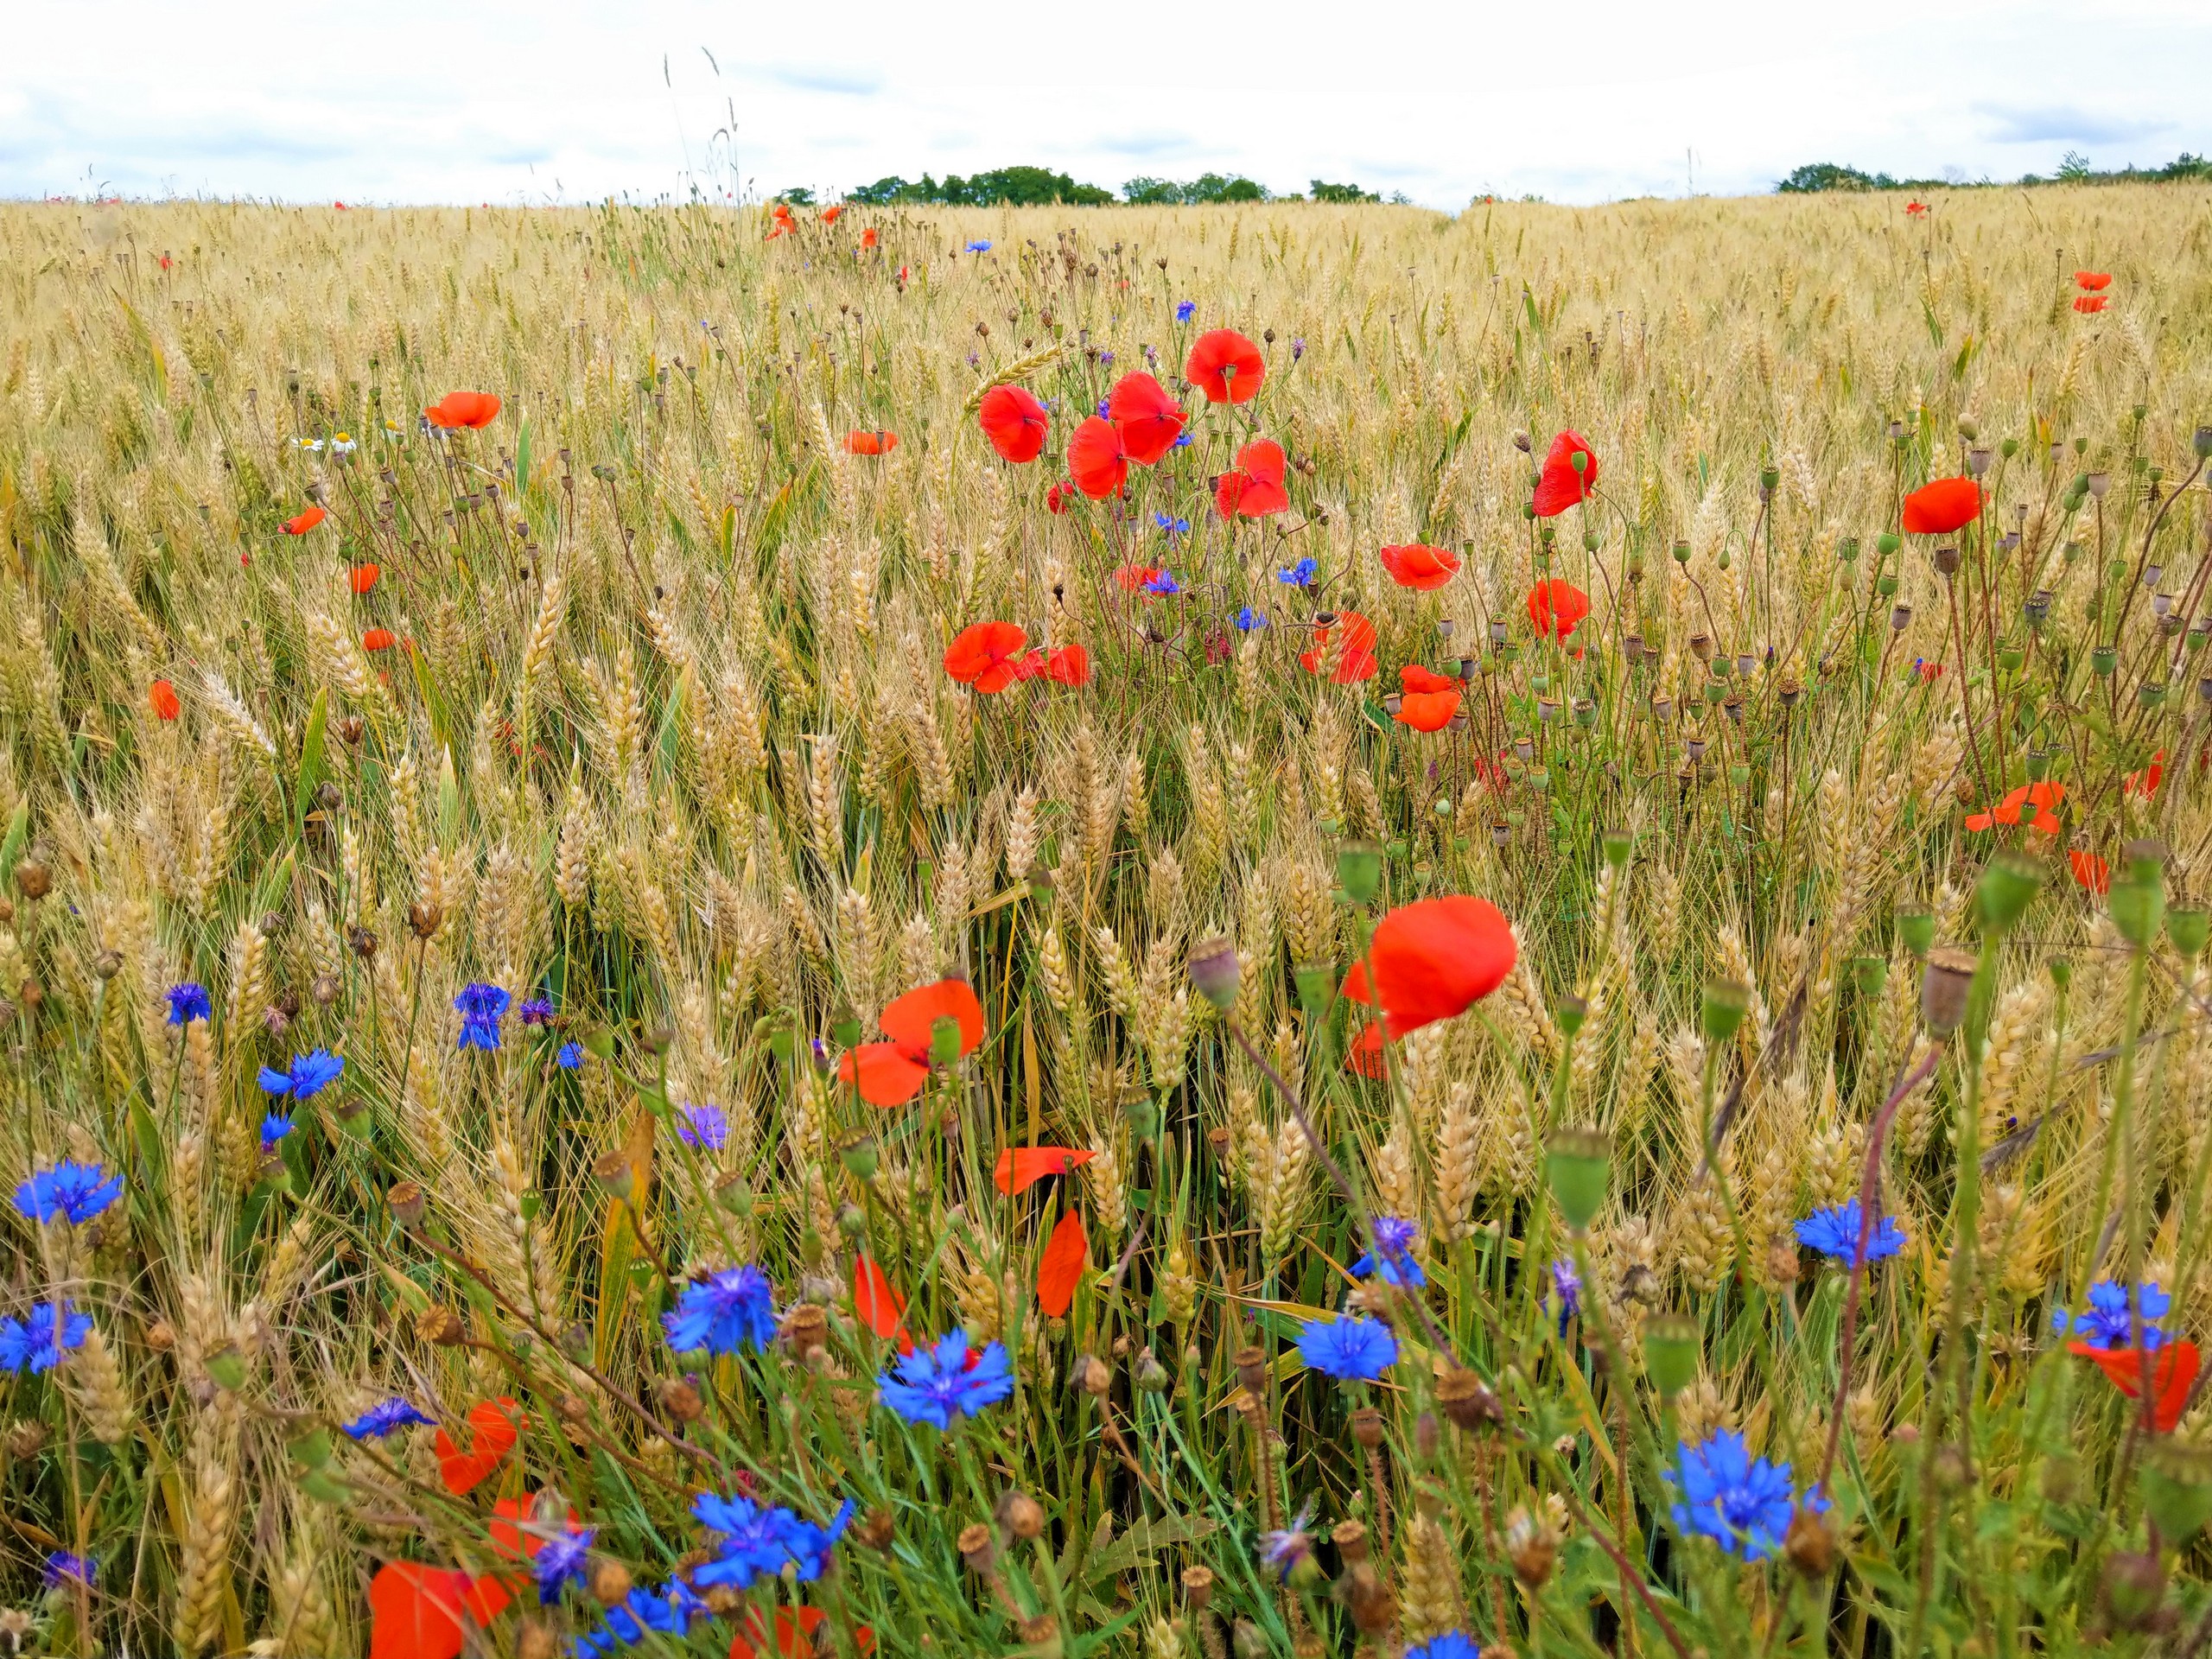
(19, 829)
(310, 772)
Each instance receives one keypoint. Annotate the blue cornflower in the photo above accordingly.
(706, 1127)
(1568, 1283)
(570, 1057)
(188, 1001)
(1174, 526)
(1105, 358)
(1298, 576)
(1183, 440)
(1163, 584)
(385, 1417)
(1348, 1348)
(1186, 309)
(274, 1127)
(481, 1008)
(1453, 1644)
(37, 1341)
(1298, 348)
(1280, 1552)
(1102, 409)
(722, 1312)
(1247, 619)
(308, 1076)
(561, 1561)
(537, 1011)
(934, 1385)
(641, 1610)
(759, 1540)
(1833, 1232)
(2106, 1325)
(63, 1567)
(1392, 1254)
(1743, 1503)
(979, 247)
(70, 1191)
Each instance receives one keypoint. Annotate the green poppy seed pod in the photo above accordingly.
(2005, 890)
(2038, 765)
(733, 1197)
(226, 1365)
(1591, 541)
(1869, 973)
(600, 1042)
(2133, 1592)
(1847, 550)
(1578, 460)
(1888, 542)
(614, 1173)
(1944, 984)
(1617, 847)
(1577, 1162)
(1571, 1012)
(1726, 1004)
(1316, 985)
(1143, 1114)
(2137, 908)
(2104, 660)
(945, 1040)
(1682, 552)
(2036, 608)
(312, 1451)
(1916, 928)
(2009, 448)
(845, 1028)
(1214, 971)
(2188, 928)
(2177, 1488)
(1969, 429)
(2150, 694)
(861, 1158)
(1887, 584)
(1671, 1353)
(2202, 442)
(1359, 870)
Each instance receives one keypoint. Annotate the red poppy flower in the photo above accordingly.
(878, 1305)
(1133, 577)
(163, 696)
(512, 1517)
(2146, 781)
(301, 523)
(1559, 486)
(491, 1436)
(831, 214)
(415, 1610)
(1022, 1167)
(363, 577)
(1062, 1265)
(1557, 609)
(1926, 669)
(797, 1635)
(868, 236)
(1226, 367)
(891, 1073)
(2173, 1375)
(1150, 420)
(1015, 423)
(1420, 567)
(1430, 699)
(2090, 870)
(2086, 304)
(987, 656)
(2093, 282)
(1366, 1055)
(1945, 505)
(1914, 209)
(783, 210)
(457, 409)
(1069, 665)
(1056, 498)
(1099, 458)
(858, 442)
(165, 262)
(781, 227)
(1255, 489)
(2042, 800)
(1343, 649)
(379, 639)
(1433, 959)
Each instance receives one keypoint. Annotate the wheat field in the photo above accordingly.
(454, 875)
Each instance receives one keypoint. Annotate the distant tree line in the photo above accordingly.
(2074, 169)
(1035, 187)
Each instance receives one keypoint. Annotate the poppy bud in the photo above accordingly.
(1524, 444)
(1152, 1375)
(1944, 984)
(1726, 1004)
(733, 1197)
(406, 1200)
(1214, 970)
(1577, 1162)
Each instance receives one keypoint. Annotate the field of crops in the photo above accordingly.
(1291, 929)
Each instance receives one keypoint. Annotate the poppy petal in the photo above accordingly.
(1434, 959)
(1022, 1167)
(883, 1074)
(910, 1021)
(415, 1612)
(1938, 509)
(877, 1306)
(1062, 1265)
(1559, 485)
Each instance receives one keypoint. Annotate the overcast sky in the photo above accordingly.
(495, 100)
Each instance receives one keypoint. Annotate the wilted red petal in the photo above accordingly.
(415, 1612)
(1022, 1167)
(1556, 607)
(1225, 365)
(1559, 486)
(883, 1073)
(1149, 419)
(1421, 567)
(1015, 423)
(303, 522)
(877, 1306)
(1939, 508)
(1062, 1265)
(1435, 958)
(1098, 458)
(908, 1020)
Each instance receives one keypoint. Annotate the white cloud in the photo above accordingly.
(422, 100)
